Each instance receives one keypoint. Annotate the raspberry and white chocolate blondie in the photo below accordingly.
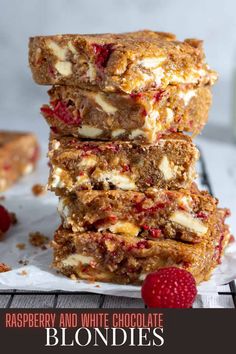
(129, 62)
(153, 214)
(78, 165)
(111, 116)
(19, 153)
(105, 256)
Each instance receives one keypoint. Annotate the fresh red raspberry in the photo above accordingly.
(170, 287)
(5, 219)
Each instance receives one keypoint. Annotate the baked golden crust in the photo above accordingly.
(124, 259)
(129, 62)
(111, 116)
(19, 153)
(80, 165)
(153, 214)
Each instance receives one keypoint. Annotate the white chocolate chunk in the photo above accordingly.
(151, 119)
(62, 208)
(117, 132)
(107, 107)
(64, 68)
(84, 179)
(55, 144)
(142, 276)
(187, 220)
(151, 125)
(87, 162)
(28, 169)
(56, 178)
(158, 74)
(72, 48)
(117, 179)
(192, 77)
(151, 62)
(76, 259)
(187, 96)
(169, 115)
(125, 227)
(186, 202)
(58, 51)
(91, 72)
(145, 77)
(166, 169)
(89, 132)
(135, 133)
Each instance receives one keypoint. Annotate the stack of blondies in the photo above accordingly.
(121, 161)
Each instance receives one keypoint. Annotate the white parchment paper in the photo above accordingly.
(39, 214)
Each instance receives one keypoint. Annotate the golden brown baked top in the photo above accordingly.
(129, 62)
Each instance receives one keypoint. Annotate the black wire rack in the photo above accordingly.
(205, 182)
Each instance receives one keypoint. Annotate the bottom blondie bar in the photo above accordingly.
(108, 257)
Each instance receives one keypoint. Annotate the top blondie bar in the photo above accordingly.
(129, 62)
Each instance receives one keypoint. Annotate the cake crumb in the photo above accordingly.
(4, 268)
(23, 272)
(14, 219)
(73, 277)
(37, 239)
(23, 262)
(20, 246)
(38, 189)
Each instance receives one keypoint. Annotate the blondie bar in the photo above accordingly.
(143, 116)
(19, 153)
(104, 256)
(79, 165)
(129, 62)
(155, 214)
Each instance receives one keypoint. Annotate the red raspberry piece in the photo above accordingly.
(202, 215)
(51, 71)
(60, 110)
(7, 167)
(158, 95)
(5, 219)
(125, 168)
(144, 112)
(142, 244)
(170, 287)
(88, 149)
(113, 147)
(149, 181)
(136, 96)
(219, 249)
(155, 233)
(102, 53)
(54, 130)
(158, 206)
(172, 130)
